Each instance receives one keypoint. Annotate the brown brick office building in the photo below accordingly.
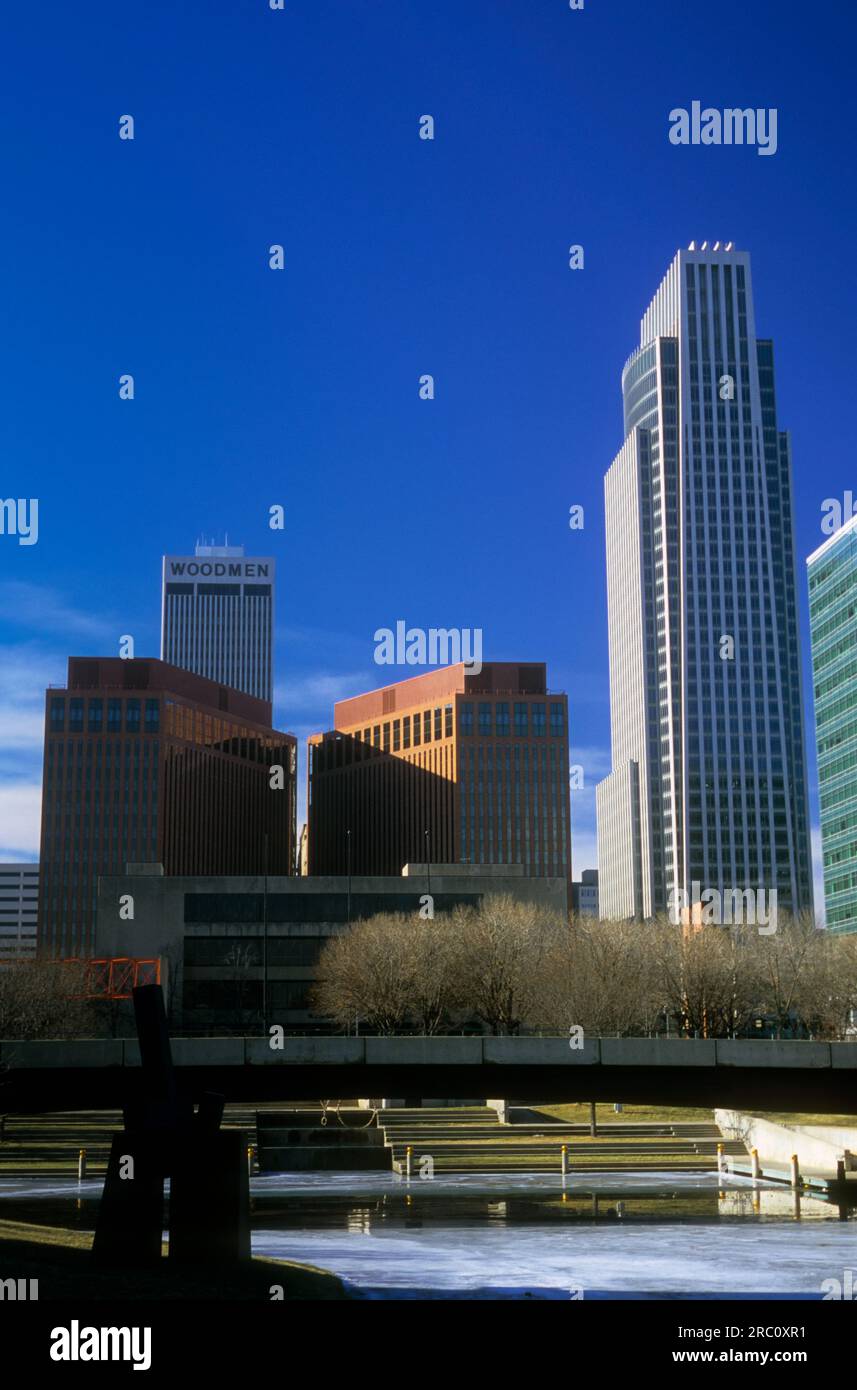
(147, 763)
(481, 762)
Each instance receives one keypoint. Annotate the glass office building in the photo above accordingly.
(708, 789)
(832, 571)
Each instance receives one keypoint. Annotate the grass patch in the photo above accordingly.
(803, 1118)
(61, 1260)
(630, 1114)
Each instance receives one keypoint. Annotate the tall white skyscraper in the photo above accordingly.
(708, 789)
(217, 617)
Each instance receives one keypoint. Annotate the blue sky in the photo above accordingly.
(402, 257)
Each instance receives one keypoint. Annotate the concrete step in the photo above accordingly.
(331, 1136)
(342, 1158)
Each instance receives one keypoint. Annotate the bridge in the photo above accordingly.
(730, 1073)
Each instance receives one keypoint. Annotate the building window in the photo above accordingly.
(387, 737)
(520, 718)
(501, 714)
(427, 726)
(397, 735)
(447, 721)
(466, 717)
(406, 731)
(485, 720)
(57, 716)
(538, 713)
(153, 718)
(75, 716)
(557, 721)
(438, 724)
(114, 716)
(417, 731)
(95, 716)
(132, 716)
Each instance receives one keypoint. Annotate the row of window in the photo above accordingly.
(494, 718)
(94, 711)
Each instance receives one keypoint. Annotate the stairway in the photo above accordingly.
(472, 1139)
(306, 1140)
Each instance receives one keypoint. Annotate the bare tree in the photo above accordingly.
(45, 999)
(505, 947)
(368, 973)
(437, 993)
(604, 977)
(794, 973)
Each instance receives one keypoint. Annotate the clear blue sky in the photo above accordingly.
(403, 257)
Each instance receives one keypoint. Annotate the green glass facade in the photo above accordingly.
(833, 623)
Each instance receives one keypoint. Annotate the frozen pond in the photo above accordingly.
(639, 1235)
(644, 1234)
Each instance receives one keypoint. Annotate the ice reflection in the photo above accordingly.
(496, 1235)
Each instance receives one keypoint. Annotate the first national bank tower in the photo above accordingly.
(217, 617)
(709, 777)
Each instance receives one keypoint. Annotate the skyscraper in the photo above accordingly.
(217, 617)
(833, 624)
(708, 787)
(148, 764)
(479, 761)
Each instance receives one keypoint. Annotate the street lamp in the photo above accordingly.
(348, 868)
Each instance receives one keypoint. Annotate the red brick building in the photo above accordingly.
(480, 762)
(147, 763)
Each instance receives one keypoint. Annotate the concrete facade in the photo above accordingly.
(210, 932)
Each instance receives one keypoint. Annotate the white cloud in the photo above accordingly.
(584, 851)
(20, 820)
(25, 671)
(40, 609)
(595, 762)
(316, 692)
